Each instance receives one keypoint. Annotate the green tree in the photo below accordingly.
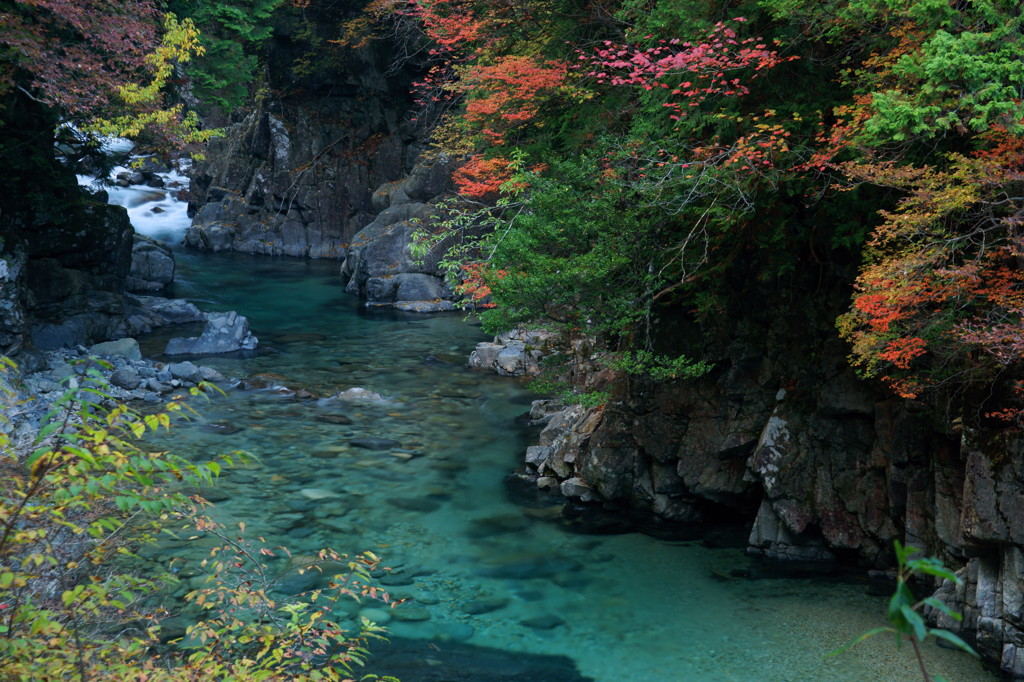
(233, 35)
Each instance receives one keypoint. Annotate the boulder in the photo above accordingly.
(126, 378)
(224, 333)
(128, 348)
(152, 265)
(185, 371)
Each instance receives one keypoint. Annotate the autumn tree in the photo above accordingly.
(939, 120)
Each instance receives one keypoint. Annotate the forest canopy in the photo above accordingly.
(621, 158)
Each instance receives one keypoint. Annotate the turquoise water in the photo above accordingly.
(623, 608)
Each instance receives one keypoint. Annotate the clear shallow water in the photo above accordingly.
(632, 608)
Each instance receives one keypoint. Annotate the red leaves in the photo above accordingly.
(705, 64)
(480, 178)
(473, 283)
(76, 53)
(508, 92)
(901, 351)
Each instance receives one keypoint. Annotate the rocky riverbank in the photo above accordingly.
(825, 469)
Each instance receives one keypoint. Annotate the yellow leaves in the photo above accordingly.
(180, 43)
(144, 101)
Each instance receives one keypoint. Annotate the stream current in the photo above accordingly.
(477, 567)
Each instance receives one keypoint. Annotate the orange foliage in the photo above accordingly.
(474, 285)
(508, 92)
(480, 178)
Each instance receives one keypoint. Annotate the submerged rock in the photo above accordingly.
(358, 395)
(339, 419)
(479, 607)
(545, 622)
(371, 443)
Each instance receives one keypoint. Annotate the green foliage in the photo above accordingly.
(969, 80)
(568, 394)
(571, 259)
(659, 367)
(73, 504)
(233, 33)
(904, 610)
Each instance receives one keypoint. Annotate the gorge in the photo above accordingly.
(721, 526)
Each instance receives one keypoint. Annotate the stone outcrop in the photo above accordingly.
(62, 281)
(341, 176)
(224, 333)
(296, 175)
(380, 265)
(514, 353)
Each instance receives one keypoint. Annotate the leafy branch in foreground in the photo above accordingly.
(904, 611)
(243, 632)
(77, 495)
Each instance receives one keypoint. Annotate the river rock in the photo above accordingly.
(145, 313)
(185, 371)
(479, 607)
(222, 428)
(358, 395)
(378, 616)
(152, 265)
(339, 419)
(128, 348)
(318, 493)
(126, 378)
(210, 374)
(544, 622)
(224, 333)
(410, 614)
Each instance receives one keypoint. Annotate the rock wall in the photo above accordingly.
(297, 178)
(63, 280)
(826, 469)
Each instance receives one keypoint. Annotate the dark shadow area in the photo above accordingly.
(413, 660)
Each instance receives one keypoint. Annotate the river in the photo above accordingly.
(479, 565)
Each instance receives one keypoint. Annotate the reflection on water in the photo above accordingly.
(475, 566)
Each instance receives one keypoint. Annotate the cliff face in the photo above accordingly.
(823, 466)
(64, 256)
(295, 178)
(332, 167)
